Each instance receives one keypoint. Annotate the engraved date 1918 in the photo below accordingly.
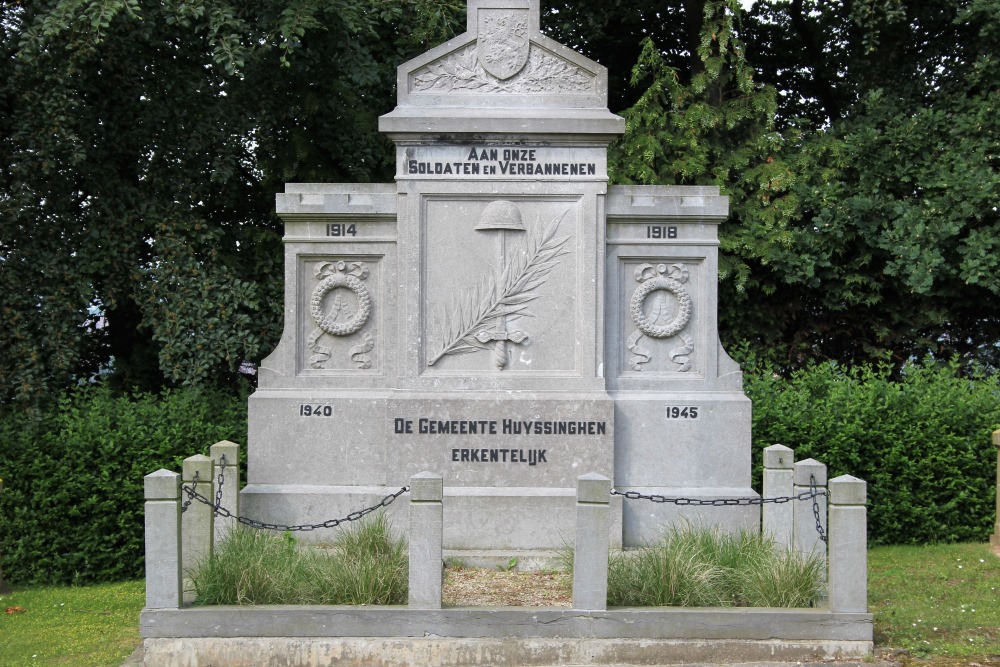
(660, 232)
(315, 410)
(682, 412)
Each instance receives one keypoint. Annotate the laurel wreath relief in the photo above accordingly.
(338, 319)
(500, 296)
(651, 280)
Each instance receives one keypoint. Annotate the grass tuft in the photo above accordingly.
(700, 567)
(367, 565)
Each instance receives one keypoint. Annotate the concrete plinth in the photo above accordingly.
(460, 637)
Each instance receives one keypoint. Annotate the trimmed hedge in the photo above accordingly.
(922, 442)
(72, 509)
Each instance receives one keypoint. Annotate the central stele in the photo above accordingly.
(496, 316)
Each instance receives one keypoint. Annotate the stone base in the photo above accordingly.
(475, 518)
(464, 637)
(364, 652)
(645, 522)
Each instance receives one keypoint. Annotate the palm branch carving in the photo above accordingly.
(504, 295)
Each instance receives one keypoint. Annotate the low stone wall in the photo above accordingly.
(301, 636)
(588, 634)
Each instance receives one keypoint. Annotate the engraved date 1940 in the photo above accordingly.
(315, 410)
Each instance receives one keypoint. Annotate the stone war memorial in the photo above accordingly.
(500, 315)
(534, 354)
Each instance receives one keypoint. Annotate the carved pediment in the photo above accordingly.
(500, 76)
(464, 71)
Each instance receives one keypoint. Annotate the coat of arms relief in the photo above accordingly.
(502, 60)
(503, 42)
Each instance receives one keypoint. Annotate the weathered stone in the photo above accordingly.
(777, 518)
(848, 545)
(500, 315)
(499, 652)
(652, 623)
(197, 522)
(591, 550)
(425, 530)
(163, 539)
(809, 475)
(225, 461)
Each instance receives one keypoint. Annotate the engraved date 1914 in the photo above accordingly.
(315, 410)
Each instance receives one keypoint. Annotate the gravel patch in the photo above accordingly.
(477, 587)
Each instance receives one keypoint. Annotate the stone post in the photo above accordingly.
(197, 520)
(229, 451)
(426, 534)
(776, 518)
(163, 539)
(805, 537)
(591, 550)
(848, 560)
(995, 537)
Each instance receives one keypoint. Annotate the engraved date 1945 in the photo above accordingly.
(315, 410)
(682, 412)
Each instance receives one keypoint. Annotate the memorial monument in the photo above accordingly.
(500, 315)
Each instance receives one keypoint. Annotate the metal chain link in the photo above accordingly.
(193, 494)
(819, 523)
(812, 494)
(219, 482)
(194, 487)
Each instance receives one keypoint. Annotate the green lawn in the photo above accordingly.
(59, 626)
(941, 604)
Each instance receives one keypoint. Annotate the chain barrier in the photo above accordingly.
(219, 510)
(812, 494)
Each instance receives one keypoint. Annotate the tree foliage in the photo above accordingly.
(141, 144)
(861, 164)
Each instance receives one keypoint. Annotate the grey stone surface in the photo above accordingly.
(500, 281)
(420, 652)
(704, 624)
(161, 485)
(197, 522)
(425, 531)
(163, 539)
(591, 551)
(805, 537)
(848, 583)
(228, 452)
(847, 490)
(778, 479)
(526, 84)
(779, 457)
